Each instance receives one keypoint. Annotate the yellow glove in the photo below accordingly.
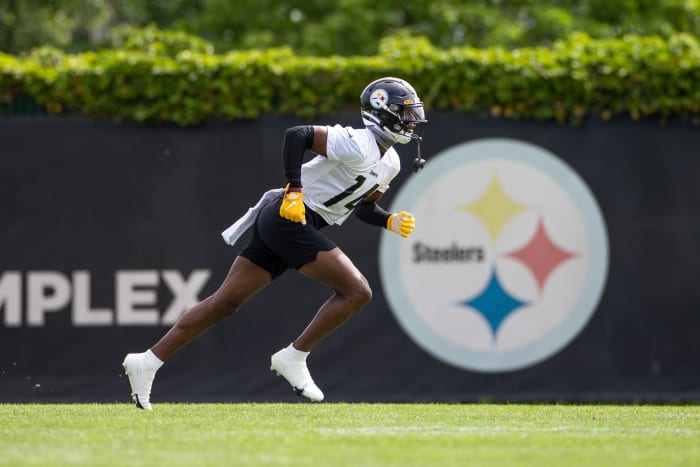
(401, 223)
(292, 207)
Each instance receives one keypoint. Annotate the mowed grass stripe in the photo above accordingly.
(331, 434)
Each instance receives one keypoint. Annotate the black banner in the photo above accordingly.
(109, 231)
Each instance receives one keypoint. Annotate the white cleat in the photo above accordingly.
(141, 376)
(296, 373)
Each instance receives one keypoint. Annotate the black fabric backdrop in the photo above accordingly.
(77, 194)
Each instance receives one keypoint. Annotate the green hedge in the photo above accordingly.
(637, 76)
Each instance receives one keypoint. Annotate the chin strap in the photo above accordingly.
(418, 162)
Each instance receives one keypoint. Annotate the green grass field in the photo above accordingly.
(343, 434)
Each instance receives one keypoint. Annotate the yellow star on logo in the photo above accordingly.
(495, 207)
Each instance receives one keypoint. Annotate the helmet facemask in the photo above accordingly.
(399, 123)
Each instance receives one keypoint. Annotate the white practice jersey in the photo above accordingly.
(352, 170)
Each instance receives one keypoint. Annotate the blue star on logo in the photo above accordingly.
(494, 304)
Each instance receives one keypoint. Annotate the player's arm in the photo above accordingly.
(297, 140)
(372, 213)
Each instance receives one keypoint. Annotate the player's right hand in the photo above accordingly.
(292, 207)
(401, 223)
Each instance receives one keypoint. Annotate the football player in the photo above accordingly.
(349, 172)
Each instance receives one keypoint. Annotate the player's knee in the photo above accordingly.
(361, 294)
(226, 306)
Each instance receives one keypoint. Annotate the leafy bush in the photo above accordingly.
(638, 76)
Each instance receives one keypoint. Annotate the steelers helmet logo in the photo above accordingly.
(379, 98)
(508, 260)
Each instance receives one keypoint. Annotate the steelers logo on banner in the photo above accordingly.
(508, 259)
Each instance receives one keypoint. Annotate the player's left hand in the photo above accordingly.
(401, 223)
(292, 207)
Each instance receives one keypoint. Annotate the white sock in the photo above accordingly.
(152, 360)
(298, 355)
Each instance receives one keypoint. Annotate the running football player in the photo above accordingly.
(349, 172)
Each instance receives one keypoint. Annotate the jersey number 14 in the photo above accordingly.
(359, 180)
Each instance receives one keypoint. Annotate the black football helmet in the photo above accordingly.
(392, 105)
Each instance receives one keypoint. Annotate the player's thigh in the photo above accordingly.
(337, 271)
(244, 280)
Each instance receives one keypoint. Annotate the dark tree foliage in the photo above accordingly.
(344, 27)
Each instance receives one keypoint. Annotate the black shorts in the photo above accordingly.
(279, 244)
